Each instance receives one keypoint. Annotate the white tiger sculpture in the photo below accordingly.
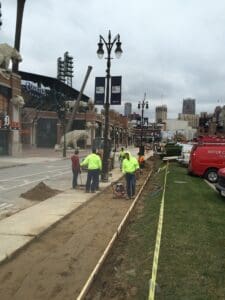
(8, 53)
(73, 136)
(17, 101)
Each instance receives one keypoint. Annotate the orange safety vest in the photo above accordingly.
(141, 159)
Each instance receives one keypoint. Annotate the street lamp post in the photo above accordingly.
(142, 105)
(115, 134)
(100, 52)
(62, 109)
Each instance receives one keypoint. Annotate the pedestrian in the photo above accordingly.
(94, 165)
(129, 167)
(121, 157)
(75, 168)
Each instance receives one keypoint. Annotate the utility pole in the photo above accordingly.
(19, 20)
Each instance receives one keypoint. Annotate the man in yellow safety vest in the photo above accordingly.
(129, 167)
(121, 157)
(94, 165)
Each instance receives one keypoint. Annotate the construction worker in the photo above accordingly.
(141, 160)
(129, 167)
(94, 165)
(121, 157)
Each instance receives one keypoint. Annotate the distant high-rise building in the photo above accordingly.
(160, 113)
(188, 106)
(127, 109)
(193, 120)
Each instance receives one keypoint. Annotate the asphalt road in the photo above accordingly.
(17, 180)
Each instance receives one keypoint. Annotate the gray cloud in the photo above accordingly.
(171, 48)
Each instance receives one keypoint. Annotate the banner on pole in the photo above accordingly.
(145, 121)
(116, 90)
(99, 90)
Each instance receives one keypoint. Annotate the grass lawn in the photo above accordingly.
(192, 255)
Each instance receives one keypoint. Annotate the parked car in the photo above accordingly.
(220, 186)
(206, 160)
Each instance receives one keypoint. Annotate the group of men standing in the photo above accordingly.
(128, 165)
(94, 164)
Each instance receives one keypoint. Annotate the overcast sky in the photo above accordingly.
(172, 49)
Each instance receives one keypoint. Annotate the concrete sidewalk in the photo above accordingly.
(19, 229)
(36, 155)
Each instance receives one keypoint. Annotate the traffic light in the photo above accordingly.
(60, 69)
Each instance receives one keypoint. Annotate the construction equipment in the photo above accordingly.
(118, 190)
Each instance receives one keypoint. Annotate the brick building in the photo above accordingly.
(10, 121)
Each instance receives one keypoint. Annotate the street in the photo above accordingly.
(16, 180)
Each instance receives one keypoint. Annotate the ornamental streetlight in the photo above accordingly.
(62, 109)
(142, 105)
(100, 52)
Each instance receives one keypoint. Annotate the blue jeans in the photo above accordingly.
(131, 182)
(97, 182)
(75, 175)
(92, 180)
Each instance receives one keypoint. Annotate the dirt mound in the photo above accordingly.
(40, 192)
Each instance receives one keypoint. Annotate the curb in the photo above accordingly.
(13, 166)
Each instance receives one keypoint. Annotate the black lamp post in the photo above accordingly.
(100, 52)
(142, 105)
(61, 110)
(116, 133)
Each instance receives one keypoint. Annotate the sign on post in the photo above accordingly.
(99, 90)
(116, 90)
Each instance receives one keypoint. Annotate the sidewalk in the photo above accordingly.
(19, 229)
(35, 155)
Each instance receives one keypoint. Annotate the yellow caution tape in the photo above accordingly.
(151, 295)
(161, 169)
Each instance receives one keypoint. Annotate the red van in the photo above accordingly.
(210, 139)
(206, 160)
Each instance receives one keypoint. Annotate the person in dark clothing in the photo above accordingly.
(75, 168)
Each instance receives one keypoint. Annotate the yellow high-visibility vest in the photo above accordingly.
(92, 161)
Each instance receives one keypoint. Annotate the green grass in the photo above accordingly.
(192, 255)
(140, 249)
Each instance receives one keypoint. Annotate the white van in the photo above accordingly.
(185, 153)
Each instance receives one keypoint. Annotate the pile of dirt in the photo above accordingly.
(40, 192)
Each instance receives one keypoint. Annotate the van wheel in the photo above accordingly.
(211, 175)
